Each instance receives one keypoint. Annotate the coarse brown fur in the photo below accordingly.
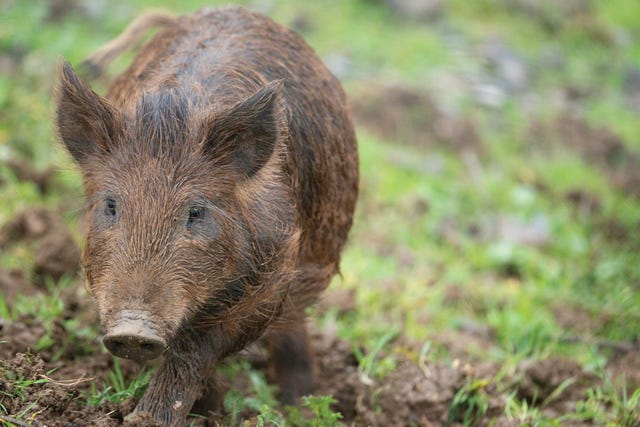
(222, 171)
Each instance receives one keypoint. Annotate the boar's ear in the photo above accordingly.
(86, 122)
(246, 135)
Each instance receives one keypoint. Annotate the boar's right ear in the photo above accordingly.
(86, 122)
(246, 136)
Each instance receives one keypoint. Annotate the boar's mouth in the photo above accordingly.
(133, 336)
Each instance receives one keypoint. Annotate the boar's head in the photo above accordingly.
(188, 215)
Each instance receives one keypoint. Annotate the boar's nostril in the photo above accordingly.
(134, 346)
(147, 347)
(116, 347)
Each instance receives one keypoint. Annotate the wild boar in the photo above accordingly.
(221, 173)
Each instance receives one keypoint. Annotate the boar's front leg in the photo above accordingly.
(180, 380)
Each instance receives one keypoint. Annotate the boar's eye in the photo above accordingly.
(110, 207)
(196, 214)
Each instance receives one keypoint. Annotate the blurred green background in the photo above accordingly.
(499, 216)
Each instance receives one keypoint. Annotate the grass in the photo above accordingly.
(470, 404)
(427, 216)
(260, 400)
(46, 309)
(21, 387)
(610, 406)
(371, 365)
(116, 389)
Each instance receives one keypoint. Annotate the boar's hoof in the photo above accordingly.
(139, 418)
(131, 342)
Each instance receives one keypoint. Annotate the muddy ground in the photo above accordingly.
(418, 392)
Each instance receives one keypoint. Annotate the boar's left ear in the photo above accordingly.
(86, 122)
(246, 136)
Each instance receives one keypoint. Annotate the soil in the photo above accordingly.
(56, 253)
(596, 145)
(403, 113)
(398, 112)
(414, 393)
(24, 172)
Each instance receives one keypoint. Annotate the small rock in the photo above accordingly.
(511, 230)
(534, 232)
(508, 68)
(94, 9)
(490, 95)
(631, 87)
(420, 10)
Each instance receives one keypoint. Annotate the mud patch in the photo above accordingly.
(56, 253)
(553, 384)
(597, 145)
(577, 319)
(14, 282)
(31, 397)
(52, 387)
(411, 115)
(413, 393)
(625, 369)
(583, 201)
(23, 171)
(423, 394)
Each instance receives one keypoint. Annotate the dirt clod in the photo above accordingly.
(25, 388)
(411, 115)
(555, 383)
(57, 253)
(597, 145)
(25, 172)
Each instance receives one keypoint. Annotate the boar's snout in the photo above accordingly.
(132, 338)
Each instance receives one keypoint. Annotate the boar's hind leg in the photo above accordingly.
(290, 355)
(290, 360)
(211, 400)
